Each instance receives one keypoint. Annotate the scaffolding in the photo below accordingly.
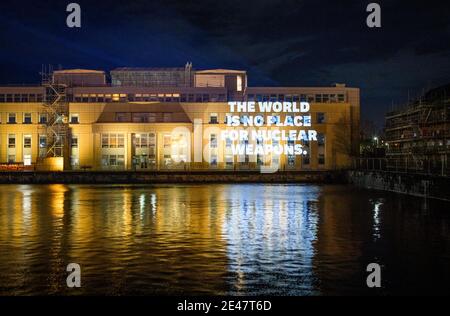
(56, 126)
(420, 133)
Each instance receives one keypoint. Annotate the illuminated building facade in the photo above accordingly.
(140, 121)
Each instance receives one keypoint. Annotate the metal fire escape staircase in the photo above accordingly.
(57, 110)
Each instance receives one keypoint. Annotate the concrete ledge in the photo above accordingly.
(104, 177)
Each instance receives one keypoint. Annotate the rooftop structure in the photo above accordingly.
(153, 77)
(79, 77)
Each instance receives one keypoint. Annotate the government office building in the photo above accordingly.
(160, 119)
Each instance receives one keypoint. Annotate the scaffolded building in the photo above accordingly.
(418, 136)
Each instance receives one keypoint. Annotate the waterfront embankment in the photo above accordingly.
(148, 177)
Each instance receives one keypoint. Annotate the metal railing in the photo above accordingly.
(403, 165)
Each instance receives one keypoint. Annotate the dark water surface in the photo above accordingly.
(220, 239)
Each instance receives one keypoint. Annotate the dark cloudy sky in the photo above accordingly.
(280, 43)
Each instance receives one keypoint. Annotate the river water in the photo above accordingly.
(237, 239)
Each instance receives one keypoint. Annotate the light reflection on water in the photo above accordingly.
(219, 239)
(270, 233)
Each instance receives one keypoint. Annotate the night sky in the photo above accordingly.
(280, 43)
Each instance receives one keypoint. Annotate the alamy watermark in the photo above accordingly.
(74, 17)
(374, 18)
(74, 277)
(374, 277)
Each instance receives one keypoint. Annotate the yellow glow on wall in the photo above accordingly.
(52, 164)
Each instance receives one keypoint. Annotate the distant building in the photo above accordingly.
(419, 134)
(129, 124)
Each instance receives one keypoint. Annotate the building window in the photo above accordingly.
(291, 157)
(144, 117)
(321, 159)
(105, 140)
(213, 118)
(167, 141)
(74, 159)
(152, 145)
(228, 142)
(306, 159)
(120, 160)
(246, 157)
(27, 141)
(213, 141)
(306, 156)
(121, 117)
(120, 141)
(214, 160)
(239, 83)
(259, 160)
(321, 148)
(42, 141)
(113, 140)
(74, 142)
(341, 98)
(229, 160)
(42, 145)
(113, 160)
(142, 140)
(11, 141)
(320, 139)
(11, 158)
(320, 118)
(291, 160)
(11, 118)
(74, 118)
(42, 118)
(27, 118)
